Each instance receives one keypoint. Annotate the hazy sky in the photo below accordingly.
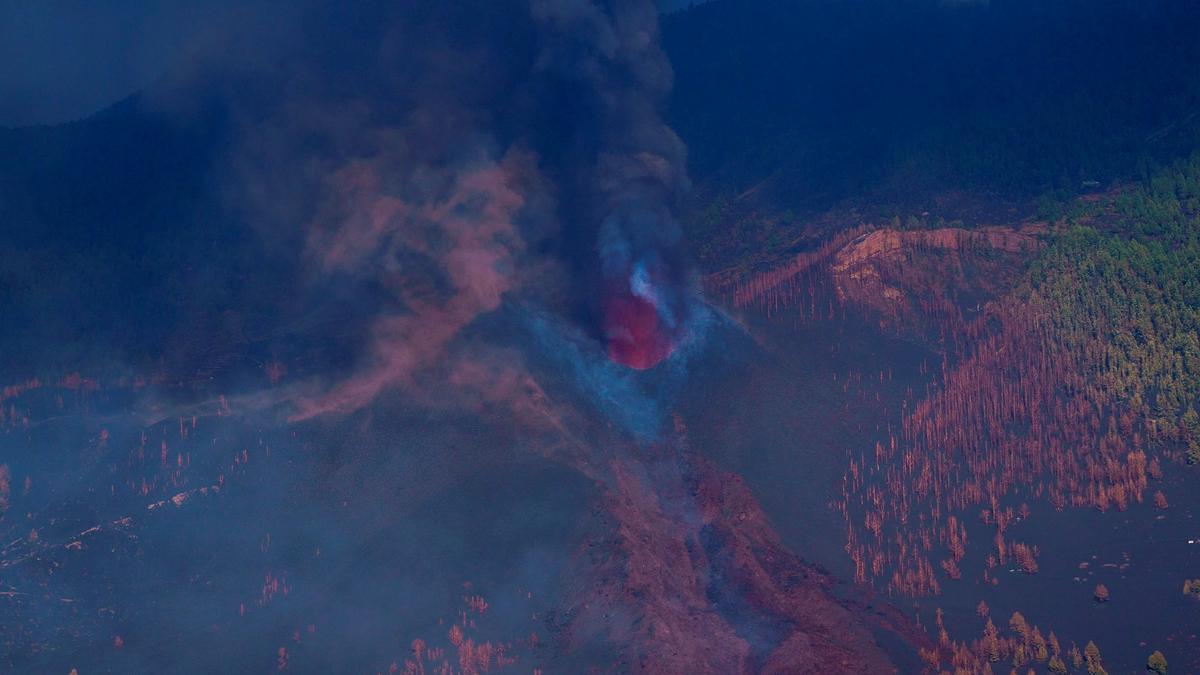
(65, 59)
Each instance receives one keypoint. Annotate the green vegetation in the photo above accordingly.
(1135, 288)
(725, 233)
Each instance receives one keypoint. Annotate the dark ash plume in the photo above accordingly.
(637, 175)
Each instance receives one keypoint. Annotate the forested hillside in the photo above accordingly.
(1134, 284)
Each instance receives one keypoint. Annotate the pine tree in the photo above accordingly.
(1091, 655)
(1157, 663)
(1040, 652)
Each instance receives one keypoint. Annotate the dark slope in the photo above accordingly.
(115, 236)
(825, 100)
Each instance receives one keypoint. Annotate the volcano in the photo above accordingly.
(493, 337)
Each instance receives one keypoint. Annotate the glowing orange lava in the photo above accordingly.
(636, 334)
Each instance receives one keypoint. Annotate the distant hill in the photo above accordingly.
(826, 100)
(94, 215)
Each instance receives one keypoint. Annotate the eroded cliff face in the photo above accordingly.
(911, 279)
(685, 574)
(888, 242)
(888, 270)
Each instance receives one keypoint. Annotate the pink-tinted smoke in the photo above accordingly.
(474, 251)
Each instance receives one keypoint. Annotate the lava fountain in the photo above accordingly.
(640, 325)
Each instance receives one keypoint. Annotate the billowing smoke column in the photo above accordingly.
(644, 288)
(447, 162)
